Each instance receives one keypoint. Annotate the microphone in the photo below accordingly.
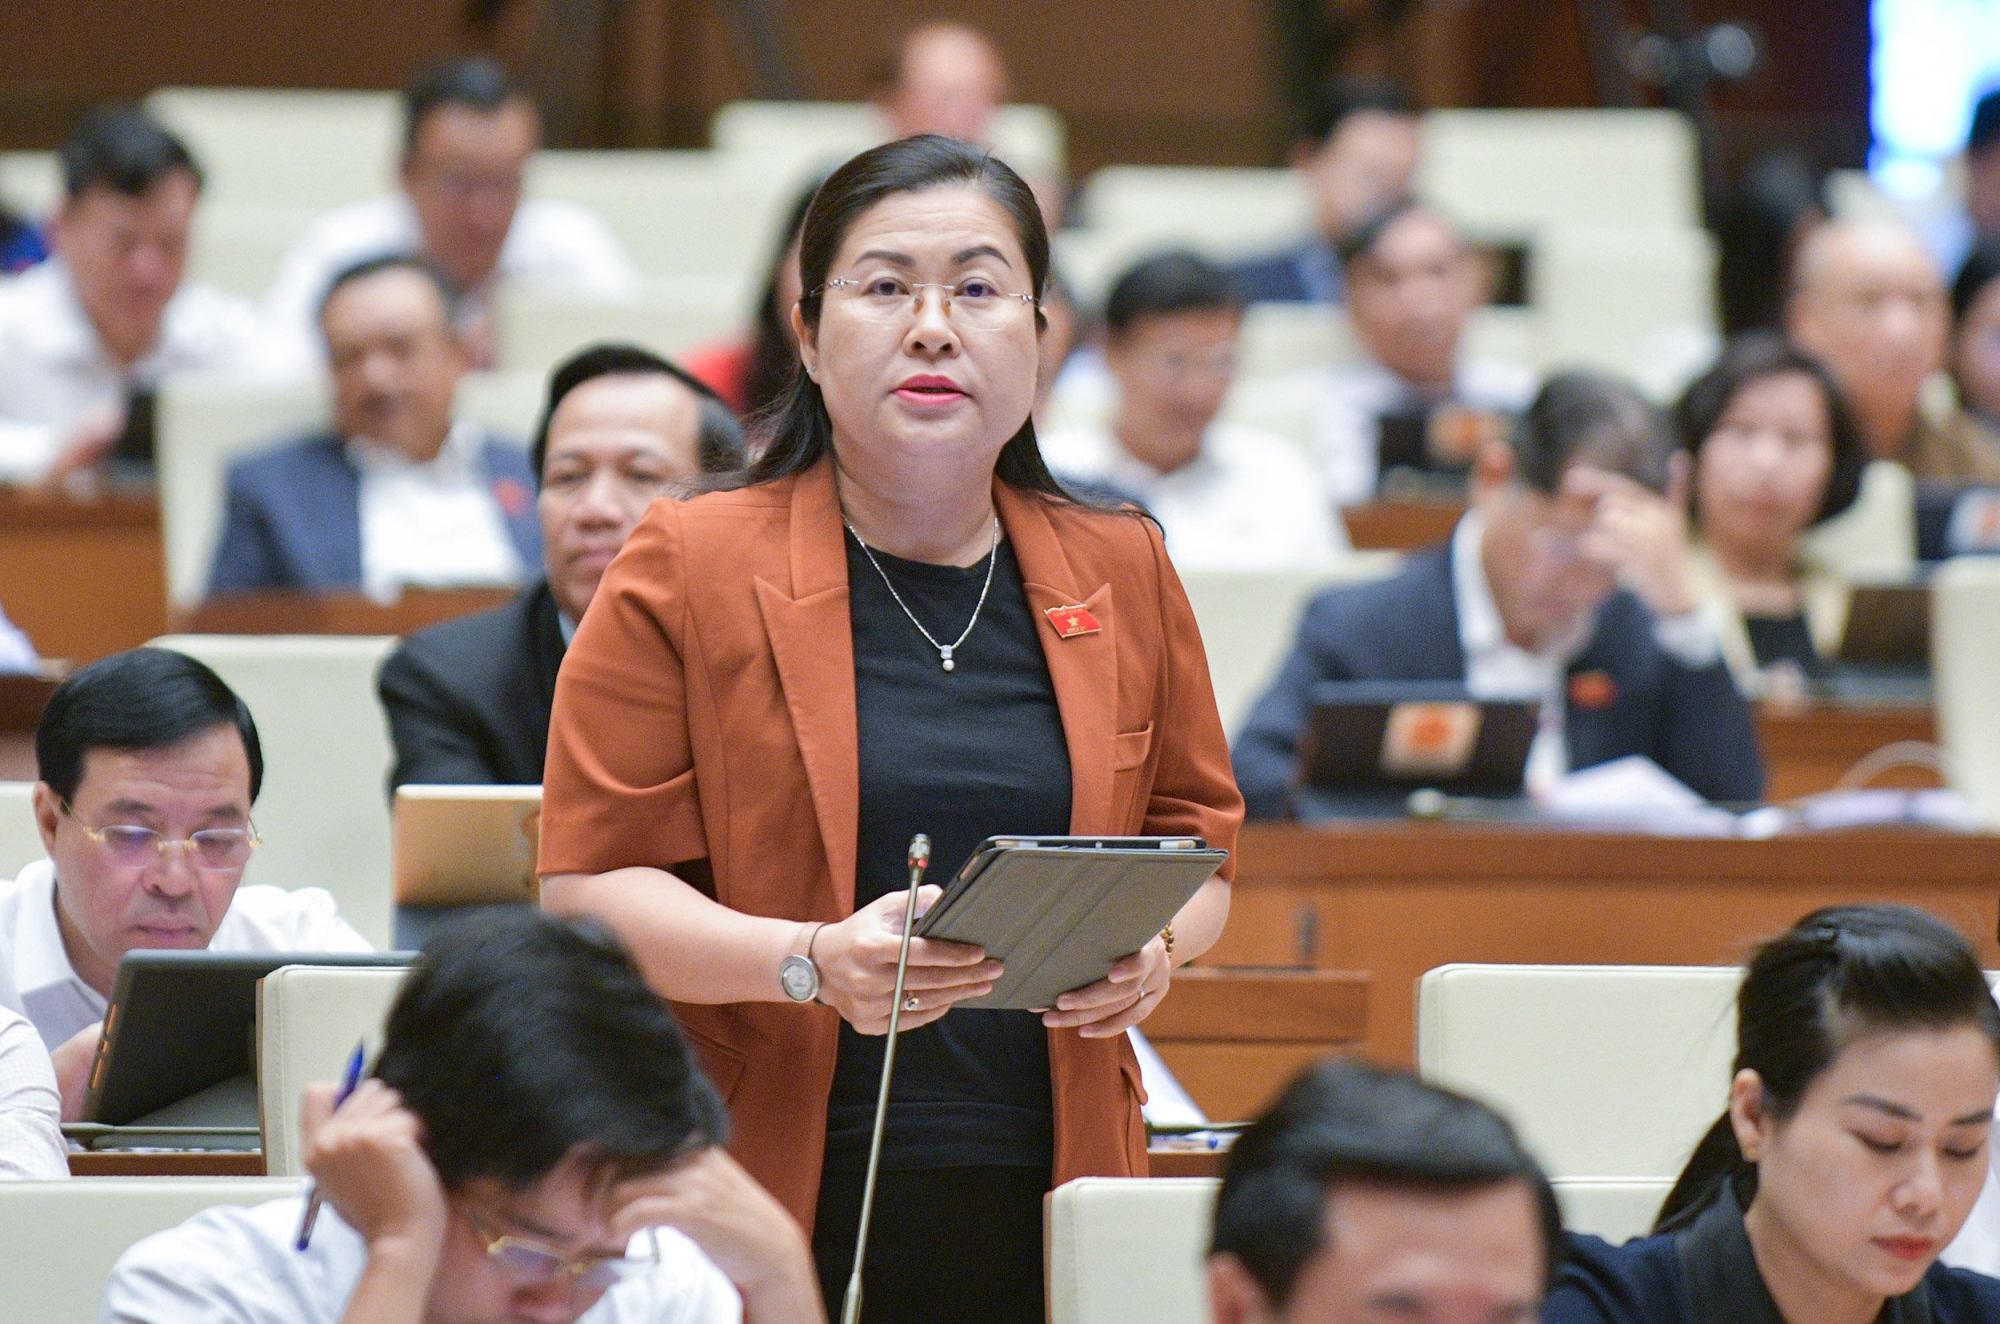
(920, 859)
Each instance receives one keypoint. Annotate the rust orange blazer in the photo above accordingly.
(705, 723)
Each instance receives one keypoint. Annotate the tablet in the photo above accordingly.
(1888, 623)
(182, 1022)
(1059, 912)
(1400, 736)
(466, 845)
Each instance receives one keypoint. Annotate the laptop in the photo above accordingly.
(1369, 743)
(465, 845)
(177, 1057)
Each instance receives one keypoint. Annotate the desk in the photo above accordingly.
(1807, 750)
(1233, 1038)
(84, 578)
(1397, 899)
(22, 699)
(1401, 526)
(336, 613)
(167, 1163)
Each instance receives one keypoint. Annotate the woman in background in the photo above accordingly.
(1775, 452)
(1854, 1147)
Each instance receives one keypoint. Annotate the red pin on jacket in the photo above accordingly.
(1072, 621)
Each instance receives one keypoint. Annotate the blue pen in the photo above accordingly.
(348, 1080)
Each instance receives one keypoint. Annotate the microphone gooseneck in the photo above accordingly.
(920, 860)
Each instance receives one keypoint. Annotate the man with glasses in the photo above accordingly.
(468, 133)
(1227, 497)
(536, 1143)
(148, 767)
(1567, 583)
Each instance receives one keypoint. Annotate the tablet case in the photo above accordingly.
(462, 845)
(1058, 917)
(181, 1022)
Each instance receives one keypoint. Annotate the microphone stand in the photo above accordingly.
(920, 859)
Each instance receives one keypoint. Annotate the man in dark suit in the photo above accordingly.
(1568, 583)
(400, 492)
(1360, 156)
(468, 700)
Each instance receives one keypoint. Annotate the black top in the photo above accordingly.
(961, 755)
(1775, 639)
(1707, 1271)
(468, 700)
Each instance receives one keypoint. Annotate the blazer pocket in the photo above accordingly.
(722, 1064)
(1129, 748)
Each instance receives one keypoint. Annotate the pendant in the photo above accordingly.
(944, 656)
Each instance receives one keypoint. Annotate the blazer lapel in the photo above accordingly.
(1083, 668)
(812, 640)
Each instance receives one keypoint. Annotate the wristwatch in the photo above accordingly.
(798, 977)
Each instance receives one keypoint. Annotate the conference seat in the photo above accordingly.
(324, 812)
(1965, 622)
(20, 839)
(1235, 207)
(1614, 1208)
(796, 138)
(1607, 1071)
(308, 1020)
(1876, 537)
(312, 149)
(1633, 301)
(1281, 338)
(62, 1238)
(537, 329)
(31, 183)
(1514, 172)
(239, 247)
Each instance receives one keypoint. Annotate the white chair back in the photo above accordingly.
(309, 1017)
(539, 329)
(1129, 1248)
(1876, 537)
(324, 811)
(63, 1237)
(286, 147)
(20, 839)
(797, 137)
(1636, 302)
(1965, 627)
(1249, 618)
(239, 247)
(1229, 207)
(1612, 1208)
(1512, 172)
(31, 182)
(1608, 1071)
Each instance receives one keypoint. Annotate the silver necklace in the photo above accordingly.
(944, 650)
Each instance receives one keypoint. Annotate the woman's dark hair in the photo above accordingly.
(520, 1038)
(1177, 281)
(142, 699)
(1836, 977)
(1590, 418)
(1345, 1121)
(1754, 357)
(774, 359)
(797, 431)
(718, 436)
(1980, 268)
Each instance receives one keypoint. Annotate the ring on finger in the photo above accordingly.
(911, 1004)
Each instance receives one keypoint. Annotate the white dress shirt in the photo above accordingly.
(59, 1003)
(1348, 401)
(552, 245)
(433, 524)
(55, 370)
(1247, 501)
(31, 1140)
(237, 1265)
(16, 652)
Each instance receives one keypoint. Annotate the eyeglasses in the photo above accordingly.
(531, 1264)
(975, 303)
(213, 850)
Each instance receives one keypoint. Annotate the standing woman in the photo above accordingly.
(898, 624)
(1867, 1060)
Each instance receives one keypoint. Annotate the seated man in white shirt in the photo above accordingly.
(1413, 411)
(31, 1141)
(400, 492)
(537, 1143)
(1227, 497)
(109, 316)
(148, 767)
(468, 131)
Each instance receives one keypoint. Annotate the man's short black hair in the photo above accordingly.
(1349, 1122)
(1339, 98)
(1985, 129)
(121, 147)
(147, 698)
(1591, 418)
(719, 439)
(476, 82)
(1362, 239)
(520, 1038)
(375, 266)
(1180, 281)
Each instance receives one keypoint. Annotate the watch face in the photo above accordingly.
(799, 978)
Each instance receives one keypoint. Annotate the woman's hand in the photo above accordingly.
(1120, 1000)
(857, 966)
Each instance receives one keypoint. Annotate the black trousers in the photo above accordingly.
(962, 1245)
